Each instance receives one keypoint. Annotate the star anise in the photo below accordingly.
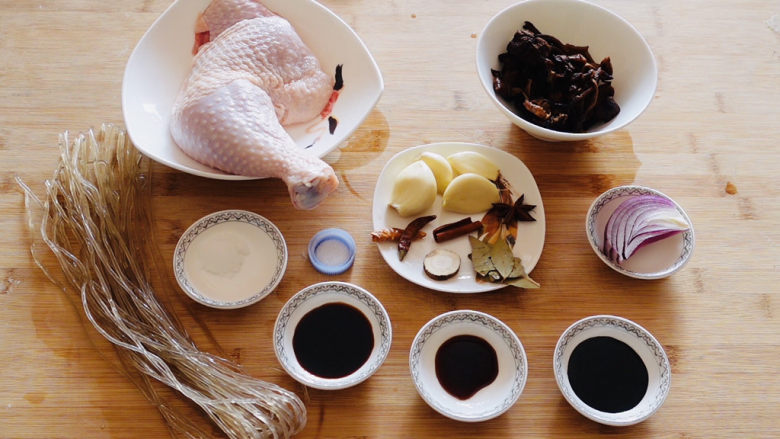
(501, 220)
(523, 211)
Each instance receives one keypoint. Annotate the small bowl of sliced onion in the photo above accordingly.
(640, 232)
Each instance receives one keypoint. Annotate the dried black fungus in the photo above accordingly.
(553, 84)
(332, 123)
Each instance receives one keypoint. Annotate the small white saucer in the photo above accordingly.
(258, 249)
(313, 297)
(654, 261)
(641, 341)
(492, 400)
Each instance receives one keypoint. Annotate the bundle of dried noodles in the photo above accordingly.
(95, 218)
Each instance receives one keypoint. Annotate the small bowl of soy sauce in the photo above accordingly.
(612, 370)
(332, 335)
(468, 365)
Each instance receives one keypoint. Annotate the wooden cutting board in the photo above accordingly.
(708, 139)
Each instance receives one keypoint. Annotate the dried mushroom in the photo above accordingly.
(553, 84)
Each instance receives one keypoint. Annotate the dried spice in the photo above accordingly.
(501, 220)
(441, 264)
(522, 211)
(453, 230)
(411, 231)
(555, 85)
(504, 189)
(393, 234)
(496, 263)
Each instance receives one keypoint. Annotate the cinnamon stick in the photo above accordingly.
(453, 230)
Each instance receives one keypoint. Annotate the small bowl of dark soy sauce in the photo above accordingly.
(612, 370)
(332, 335)
(468, 365)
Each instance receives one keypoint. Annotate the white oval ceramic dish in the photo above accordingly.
(230, 259)
(530, 239)
(315, 296)
(490, 401)
(638, 338)
(654, 261)
(584, 24)
(163, 58)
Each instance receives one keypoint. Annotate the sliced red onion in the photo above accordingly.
(638, 221)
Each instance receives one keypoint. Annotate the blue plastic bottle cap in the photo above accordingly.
(332, 251)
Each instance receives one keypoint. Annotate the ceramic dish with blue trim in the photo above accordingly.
(650, 351)
(230, 259)
(315, 296)
(488, 402)
(653, 261)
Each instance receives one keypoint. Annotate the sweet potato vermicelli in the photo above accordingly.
(95, 218)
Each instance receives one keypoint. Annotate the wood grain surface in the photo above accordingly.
(709, 139)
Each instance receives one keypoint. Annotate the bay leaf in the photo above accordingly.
(502, 258)
(518, 270)
(480, 256)
(523, 282)
(519, 277)
(496, 263)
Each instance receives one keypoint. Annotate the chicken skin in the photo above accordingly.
(221, 14)
(250, 80)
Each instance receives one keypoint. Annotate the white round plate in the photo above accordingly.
(163, 58)
(530, 239)
(271, 243)
(313, 297)
(488, 402)
(651, 352)
(653, 261)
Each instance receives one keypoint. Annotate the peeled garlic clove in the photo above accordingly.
(473, 162)
(414, 190)
(470, 193)
(441, 169)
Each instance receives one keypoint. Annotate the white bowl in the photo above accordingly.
(654, 261)
(638, 338)
(318, 295)
(230, 259)
(583, 24)
(492, 400)
(163, 57)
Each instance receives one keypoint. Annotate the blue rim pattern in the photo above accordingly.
(220, 217)
(494, 325)
(627, 326)
(339, 289)
(689, 239)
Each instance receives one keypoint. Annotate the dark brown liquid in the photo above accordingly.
(465, 364)
(607, 374)
(333, 341)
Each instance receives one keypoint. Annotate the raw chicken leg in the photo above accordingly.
(254, 77)
(221, 14)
